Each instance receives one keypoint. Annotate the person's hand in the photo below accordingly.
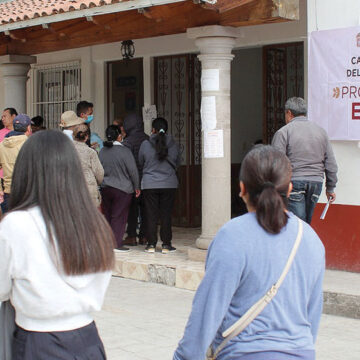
(331, 196)
(137, 193)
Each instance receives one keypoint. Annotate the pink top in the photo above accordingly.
(3, 133)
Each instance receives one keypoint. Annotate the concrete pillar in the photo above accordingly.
(215, 44)
(14, 71)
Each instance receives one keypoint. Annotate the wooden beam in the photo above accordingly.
(261, 12)
(226, 5)
(286, 9)
(160, 20)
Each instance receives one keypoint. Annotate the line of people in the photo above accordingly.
(57, 264)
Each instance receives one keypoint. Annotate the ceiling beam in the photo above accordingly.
(226, 5)
(159, 20)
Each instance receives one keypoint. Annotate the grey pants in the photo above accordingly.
(7, 327)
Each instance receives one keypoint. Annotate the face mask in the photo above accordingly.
(89, 119)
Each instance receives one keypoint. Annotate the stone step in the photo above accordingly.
(341, 289)
(185, 269)
(342, 293)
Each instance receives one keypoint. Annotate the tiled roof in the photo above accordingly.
(19, 10)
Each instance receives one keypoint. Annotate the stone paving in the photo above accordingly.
(341, 289)
(145, 321)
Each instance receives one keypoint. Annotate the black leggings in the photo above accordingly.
(79, 344)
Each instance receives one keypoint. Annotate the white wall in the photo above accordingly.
(335, 14)
(246, 101)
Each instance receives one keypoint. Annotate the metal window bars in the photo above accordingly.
(57, 88)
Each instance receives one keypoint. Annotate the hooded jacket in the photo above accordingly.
(9, 150)
(134, 128)
(159, 174)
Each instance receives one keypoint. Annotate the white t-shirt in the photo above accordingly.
(44, 299)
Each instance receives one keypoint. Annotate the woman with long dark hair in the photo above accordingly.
(56, 254)
(243, 268)
(121, 181)
(159, 157)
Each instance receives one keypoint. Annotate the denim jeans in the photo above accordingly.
(5, 204)
(303, 198)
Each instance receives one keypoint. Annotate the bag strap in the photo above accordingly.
(259, 306)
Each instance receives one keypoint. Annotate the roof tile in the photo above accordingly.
(19, 10)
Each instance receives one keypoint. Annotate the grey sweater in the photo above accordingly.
(120, 168)
(309, 150)
(159, 174)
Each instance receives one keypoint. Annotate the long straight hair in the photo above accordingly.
(266, 174)
(48, 174)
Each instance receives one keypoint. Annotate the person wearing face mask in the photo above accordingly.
(69, 121)
(85, 110)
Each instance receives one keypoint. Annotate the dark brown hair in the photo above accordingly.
(266, 174)
(161, 127)
(48, 174)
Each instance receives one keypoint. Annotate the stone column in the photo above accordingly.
(14, 71)
(215, 44)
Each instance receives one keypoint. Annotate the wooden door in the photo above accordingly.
(178, 100)
(283, 78)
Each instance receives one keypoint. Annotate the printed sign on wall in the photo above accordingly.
(334, 82)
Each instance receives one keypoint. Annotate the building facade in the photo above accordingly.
(260, 64)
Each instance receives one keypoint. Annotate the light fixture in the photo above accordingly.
(127, 49)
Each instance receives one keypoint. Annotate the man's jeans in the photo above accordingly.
(303, 198)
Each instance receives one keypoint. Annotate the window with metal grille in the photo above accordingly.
(57, 88)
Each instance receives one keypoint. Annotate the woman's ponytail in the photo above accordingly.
(270, 210)
(266, 174)
(161, 127)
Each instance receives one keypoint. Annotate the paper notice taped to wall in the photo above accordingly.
(149, 113)
(213, 144)
(208, 113)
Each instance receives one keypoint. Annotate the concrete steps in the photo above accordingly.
(341, 289)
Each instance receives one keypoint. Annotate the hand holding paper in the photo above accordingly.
(322, 217)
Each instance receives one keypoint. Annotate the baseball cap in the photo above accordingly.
(21, 122)
(69, 118)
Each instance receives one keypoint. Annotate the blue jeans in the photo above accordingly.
(303, 198)
(5, 204)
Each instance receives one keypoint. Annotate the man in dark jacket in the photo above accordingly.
(134, 129)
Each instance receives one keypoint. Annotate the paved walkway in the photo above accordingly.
(145, 321)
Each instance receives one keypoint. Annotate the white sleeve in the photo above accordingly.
(5, 268)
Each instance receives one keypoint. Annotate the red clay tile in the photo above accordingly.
(19, 10)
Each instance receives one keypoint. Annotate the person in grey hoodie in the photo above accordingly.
(159, 159)
(133, 126)
(121, 180)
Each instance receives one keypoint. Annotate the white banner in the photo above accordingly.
(334, 82)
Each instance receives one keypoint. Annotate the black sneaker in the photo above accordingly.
(167, 249)
(122, 249)
(150, 249)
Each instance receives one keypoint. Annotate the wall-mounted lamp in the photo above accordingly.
(127, 49)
